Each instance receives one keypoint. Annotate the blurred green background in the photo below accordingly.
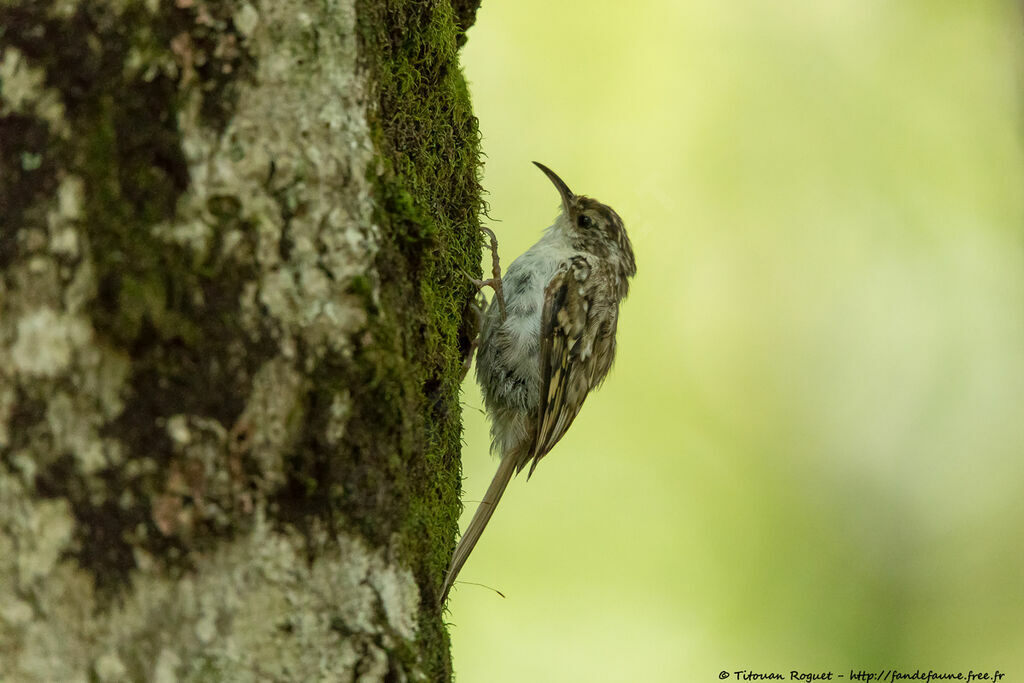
(809, 453)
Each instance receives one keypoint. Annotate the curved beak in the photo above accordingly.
(563, 189)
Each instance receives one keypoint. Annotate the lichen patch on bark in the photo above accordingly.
(25, 91)
(256, 608)
(289, 169)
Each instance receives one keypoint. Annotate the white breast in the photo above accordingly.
(525, 300)
(516, 342)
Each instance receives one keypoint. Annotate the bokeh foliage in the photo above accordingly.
(808, 455)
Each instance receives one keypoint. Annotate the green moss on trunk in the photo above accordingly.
(429, 202)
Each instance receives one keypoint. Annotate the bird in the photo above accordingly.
(549, 342)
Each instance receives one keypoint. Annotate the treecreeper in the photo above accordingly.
(549, 342)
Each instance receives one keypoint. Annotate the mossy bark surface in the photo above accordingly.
(232, 327)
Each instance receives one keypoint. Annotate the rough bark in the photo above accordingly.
(232, 321)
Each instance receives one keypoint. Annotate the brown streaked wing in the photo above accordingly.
(564, 375)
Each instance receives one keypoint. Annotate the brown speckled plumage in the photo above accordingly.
(556, 343)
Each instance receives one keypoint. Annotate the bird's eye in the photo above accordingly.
(585, 221)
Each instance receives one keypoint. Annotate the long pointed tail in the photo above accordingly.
(479, 523)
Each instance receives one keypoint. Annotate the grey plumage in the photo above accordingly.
(555, 344)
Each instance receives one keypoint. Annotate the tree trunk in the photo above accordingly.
(232, 325)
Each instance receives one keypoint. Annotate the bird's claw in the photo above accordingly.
(494, 282)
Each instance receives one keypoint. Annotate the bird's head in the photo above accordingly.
(592, 226)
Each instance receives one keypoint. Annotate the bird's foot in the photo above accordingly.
(480, 303)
